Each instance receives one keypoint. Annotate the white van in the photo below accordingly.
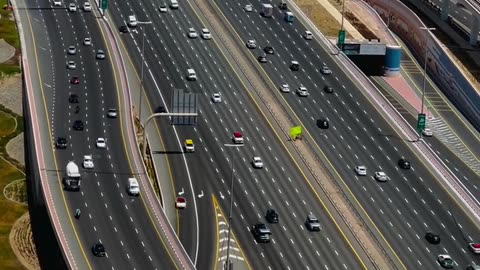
(133, 187)
(132, 21)
(173, 4)
(308, 35)
(191, 75)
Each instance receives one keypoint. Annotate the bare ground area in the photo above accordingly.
(21, 241)
(15, 149)
(320, 17)
(11, 93)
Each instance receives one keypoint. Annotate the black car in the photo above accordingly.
(262, 59)
(283, 5)
(123, 29)
(78, 125)
(295, 66)
(98, 250)
(432, 238)
(61, 143)
(272, 216)
(322, 123)
(261, 232)
(73, 98)
(404, 164)
(269, 50)
(160, 109)
(328, 89)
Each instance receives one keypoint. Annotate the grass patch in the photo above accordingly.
(8, 28)
(7, 124)
(8, 69)
(9, 211)
(17, 191)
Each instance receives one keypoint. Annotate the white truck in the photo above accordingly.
(72, 179)
(267, 10)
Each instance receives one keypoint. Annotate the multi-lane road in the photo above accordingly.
(169, 53)
(108, 215)
(403, 209)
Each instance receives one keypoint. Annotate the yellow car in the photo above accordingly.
(189, 146)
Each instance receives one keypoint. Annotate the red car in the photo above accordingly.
(75, 80)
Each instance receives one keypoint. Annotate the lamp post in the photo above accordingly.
(141, 72)
(227, 262)
(429, 29)
(343, 14)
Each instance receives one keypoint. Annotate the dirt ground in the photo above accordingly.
(11, 93)
(320, 17)
(21, 241)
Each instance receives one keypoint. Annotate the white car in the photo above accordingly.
(192, 33)
(427, 132)
(361, 170)
(71, 65)
(216, 98)
(308, 35)
(474, 247)
(71, 50)
(72, 7)
(57, 3)
(87, 7)
(101, 143)
(248, 8)
(302, 91)
(206, 34)
(88, 162)
(180, 203)
(445, 261)
(325, 70)
(381, 176)
(285, 88)
(257, 162)
(87, 41)
(112, 113)
(163, 8)
(251, 44)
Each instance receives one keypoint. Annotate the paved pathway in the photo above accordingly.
(6, 51)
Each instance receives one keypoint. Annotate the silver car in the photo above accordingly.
(100, 54)
(71, 50)
(71, 65)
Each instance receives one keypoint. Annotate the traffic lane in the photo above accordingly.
(97, 112)
(300, 109)
(91, 195)
(453, 120)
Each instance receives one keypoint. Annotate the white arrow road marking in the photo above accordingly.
(181, 192)
(200, 195)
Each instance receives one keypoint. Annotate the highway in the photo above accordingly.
(169, 53)
(109, 215)
(460, 12)
(405, 207)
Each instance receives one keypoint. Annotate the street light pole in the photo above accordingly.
(343, 14)
(141, 73)
(425, 64)
(227, 262)
(428, 29)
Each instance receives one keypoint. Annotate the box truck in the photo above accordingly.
(267, 10)
(72, 179)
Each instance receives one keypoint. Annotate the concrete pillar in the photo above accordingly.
(445, 6)
(474, 28)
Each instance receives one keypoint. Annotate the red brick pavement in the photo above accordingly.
(400, 85)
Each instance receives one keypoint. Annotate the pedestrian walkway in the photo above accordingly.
(7, 51)
(442, 117)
